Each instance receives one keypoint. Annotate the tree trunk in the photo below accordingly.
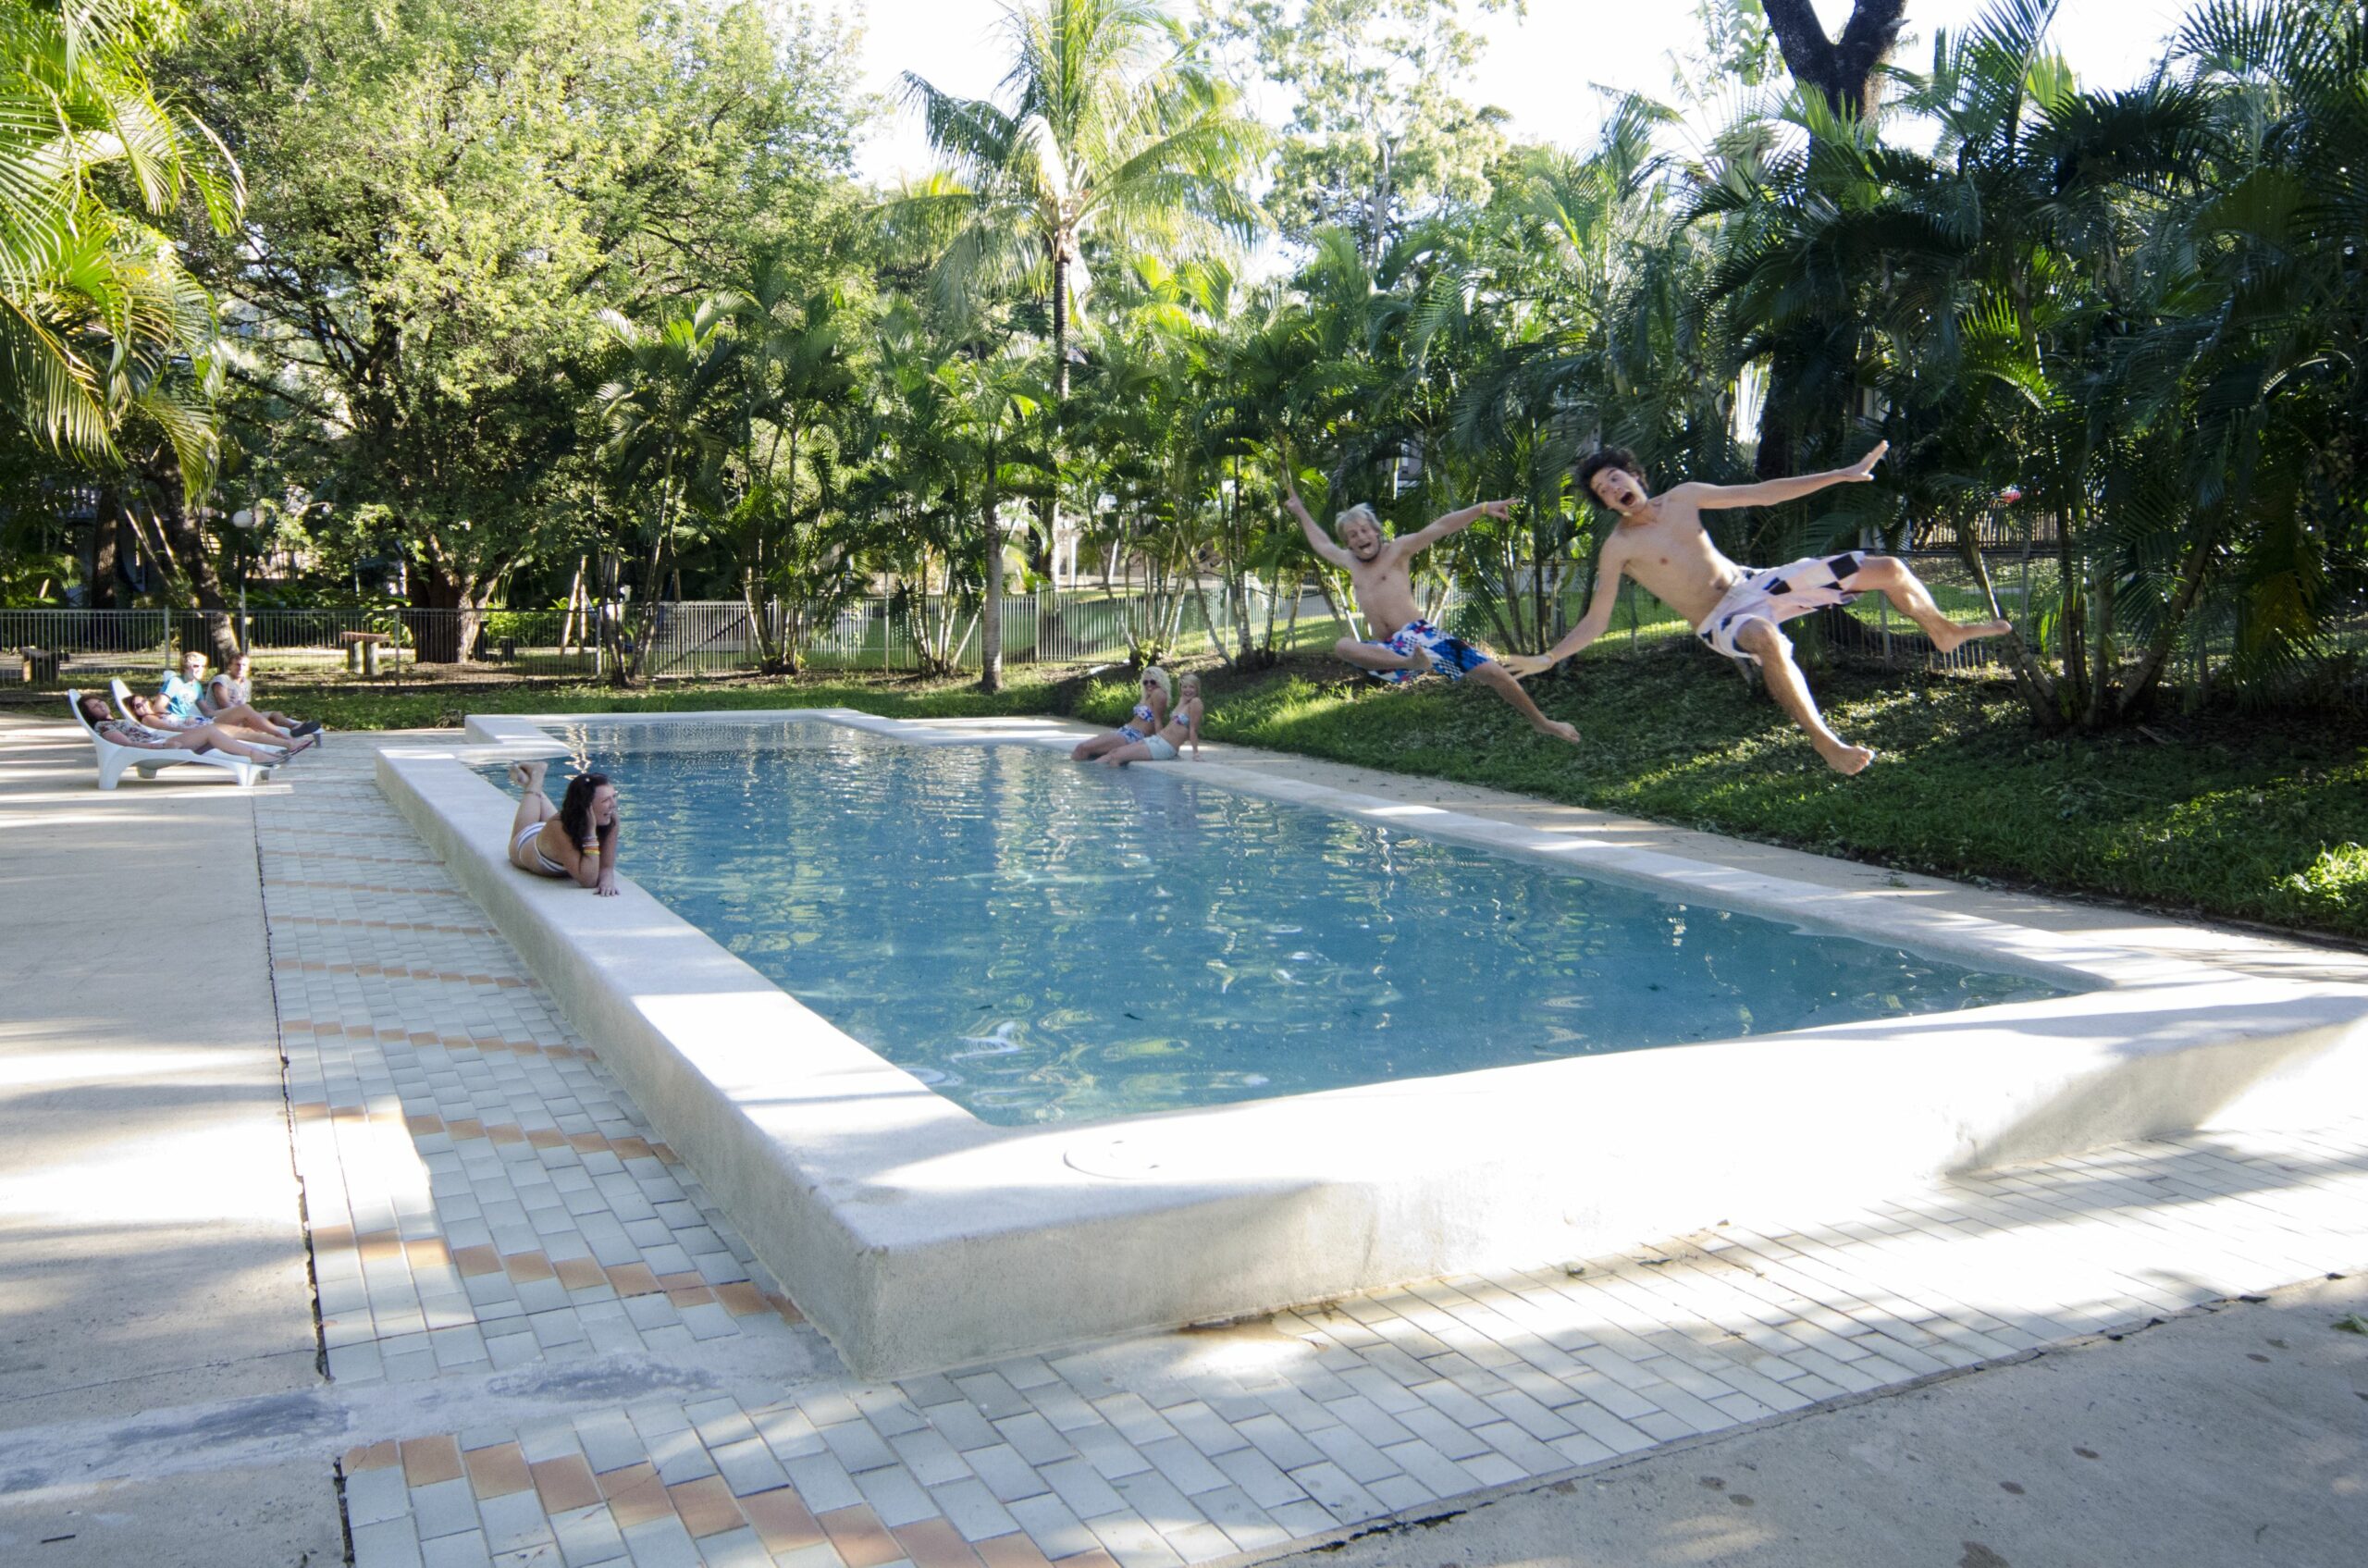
(1842, 68)
(575, 598)
(1843, 72)
(2032, 681)
(192, 560)
(2158, 650)
(1209, 624)
(1378, 205)
(758, 625)
(1048, 507)
(100, 558)
(2102, 655)
(454, 602)
(2073, 618)
(990, 613)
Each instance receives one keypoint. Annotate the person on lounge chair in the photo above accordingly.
(151, 714)
(202, 737)
(232, 689)
(184, 698)
(576, 839)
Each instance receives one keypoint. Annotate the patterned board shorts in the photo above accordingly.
(1449, 656)
(1778, 594)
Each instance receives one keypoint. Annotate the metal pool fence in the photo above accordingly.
(63, 647)
(905, 633)
(58, 647)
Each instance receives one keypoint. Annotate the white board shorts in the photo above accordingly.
(1778, 594)
(1162, 750)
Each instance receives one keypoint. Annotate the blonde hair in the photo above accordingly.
(1359, 510)
(1167, 687)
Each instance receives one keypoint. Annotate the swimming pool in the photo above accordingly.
(920, 1237)
(1041, 942)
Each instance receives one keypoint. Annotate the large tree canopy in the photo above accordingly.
(448, 192)
(580, 299)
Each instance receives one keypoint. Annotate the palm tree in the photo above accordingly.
(796, 374)
(1109, 134)
(2141, 308)
(991, 398)
(660, 418)
(96, 311)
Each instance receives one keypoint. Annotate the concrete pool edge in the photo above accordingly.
(863, 1190)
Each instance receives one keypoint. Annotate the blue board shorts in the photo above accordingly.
(1449, 656)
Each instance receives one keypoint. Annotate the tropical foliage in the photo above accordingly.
(582, 299)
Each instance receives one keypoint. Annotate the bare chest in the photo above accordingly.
(1674, 560)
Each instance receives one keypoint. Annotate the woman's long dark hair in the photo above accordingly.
(575, 811)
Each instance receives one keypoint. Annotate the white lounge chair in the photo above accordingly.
(114, 759)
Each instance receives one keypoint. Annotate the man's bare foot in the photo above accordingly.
(1559, 731)
(1845, 760)
(1957, 636)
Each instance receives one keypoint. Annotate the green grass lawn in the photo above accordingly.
(2260, 817)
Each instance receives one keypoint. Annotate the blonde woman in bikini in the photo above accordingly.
(1660, 542)
(1182, 729)
(1149, 718)
(576, 839)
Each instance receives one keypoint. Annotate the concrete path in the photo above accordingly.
(2231, 1436)
(152, 1242)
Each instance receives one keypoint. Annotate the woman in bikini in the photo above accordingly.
(576, 839)
(199, 737)
(150, 713)
(1149, 718)
(1168, 743)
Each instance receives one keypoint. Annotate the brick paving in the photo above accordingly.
(482, 1196)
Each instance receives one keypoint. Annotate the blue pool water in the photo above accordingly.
(1044, 941)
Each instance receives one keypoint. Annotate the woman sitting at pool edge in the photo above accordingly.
(576, 839)
(1148, 718)
(1168, 743)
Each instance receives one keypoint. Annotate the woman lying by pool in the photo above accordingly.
(1165, 744)
(198, 737)
(150, 714)
(576, 839)
(1150, 716)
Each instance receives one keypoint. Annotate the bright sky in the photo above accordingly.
(1541, 68)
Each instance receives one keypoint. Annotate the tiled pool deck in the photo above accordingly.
(489, 1217)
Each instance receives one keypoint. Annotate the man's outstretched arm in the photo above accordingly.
(1770, 492)
(1316, 539)
(1438, 528)
(1593, 624)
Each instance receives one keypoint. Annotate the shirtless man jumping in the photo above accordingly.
(1407, 645)
(1661, 543)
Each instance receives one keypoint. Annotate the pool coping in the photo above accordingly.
(861, 1188)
